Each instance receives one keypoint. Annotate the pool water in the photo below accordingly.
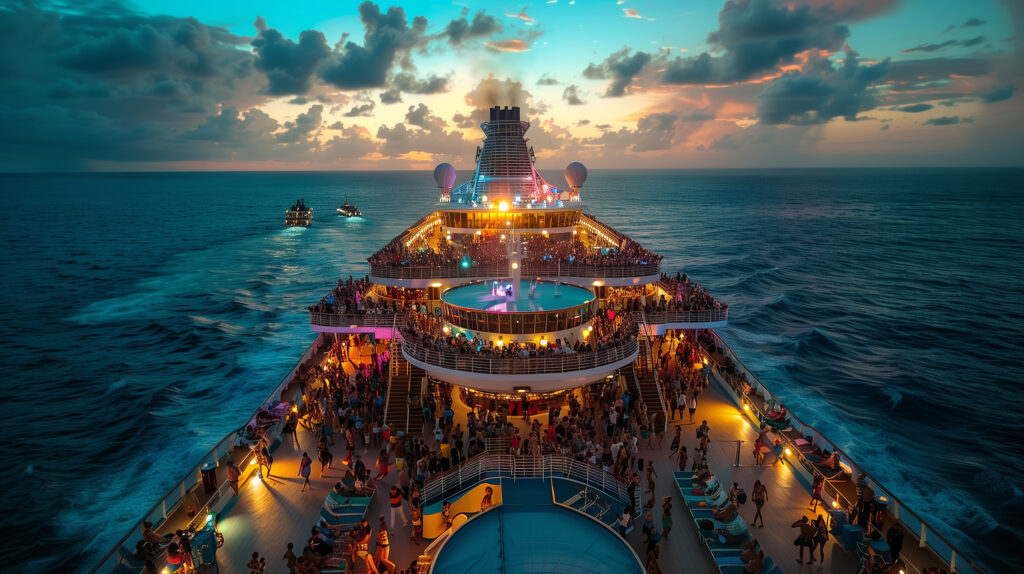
(529, 533)
(545, 297)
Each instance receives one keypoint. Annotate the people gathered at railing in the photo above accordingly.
(353, 296)
(490, 249)
(609, 331)
(686, 295)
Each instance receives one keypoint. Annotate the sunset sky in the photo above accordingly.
(316, 84)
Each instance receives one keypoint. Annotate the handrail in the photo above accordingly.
(519, 366)
(455, 270)
(706, 316)
(327, 319)
(191, 479)
(488, 465)
(901, 509)
(652, 365)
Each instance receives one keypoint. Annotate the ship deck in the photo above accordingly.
(269, 514)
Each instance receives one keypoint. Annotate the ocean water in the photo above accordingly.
(147, 315)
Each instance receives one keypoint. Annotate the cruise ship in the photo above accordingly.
(516, 386)
(299, 215)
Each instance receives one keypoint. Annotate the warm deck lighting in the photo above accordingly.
(515, 266)
(788, 452)
(209, 517)
(503, 237)
(598, 283)
(446, 329)
(574, 232)
(521, 389)
(746, 407)
(508, 222)
(835, 504)
(503, 206)
(499, 342)
(295, 408)
(544, 232)
(543, 342)
(478, 232)
(435, 284)
(255, 479)
(253, 461)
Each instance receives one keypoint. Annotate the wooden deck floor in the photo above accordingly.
(271, 513)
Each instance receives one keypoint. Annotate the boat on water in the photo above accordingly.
(496, 392)
(349, 210)
(299, 215)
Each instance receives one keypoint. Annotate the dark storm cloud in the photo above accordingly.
(970, 23)
(111, 84)
(360, 110)
(999, 94)
(915, 108)
(388, 41)
(821, 93)
(620, 68)
(755, 37)
(571, 95)
(459, 30)
(936, 47)
(948, 121)
(289, 66)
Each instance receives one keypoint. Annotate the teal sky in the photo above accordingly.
(325, 84)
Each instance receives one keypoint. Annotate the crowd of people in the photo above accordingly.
(354, 296)
(490, 249)
(609, 330)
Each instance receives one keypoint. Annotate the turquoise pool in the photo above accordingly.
(545, 297)
(531, 534)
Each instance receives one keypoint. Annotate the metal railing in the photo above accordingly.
(927, 535)
(709, 316)
(487, 465)
(326, 319)
(519, 366)
(652, 365)
(177, 495)
(455, 270)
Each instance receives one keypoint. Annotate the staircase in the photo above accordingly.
(403, 378)
(645, 377)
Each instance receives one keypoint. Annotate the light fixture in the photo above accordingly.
(574, 232)
(446, 329)
(598, 283)
(209, 517)
(515, 266)
(478, 232)
(746, 407)
(499, 342)
(503, 237)
(503, 206)
(521, 389)
(543, 342)
(835, 504)
(253, 461)
(295, 408)
(788, 452)
(435, 284)
(255, 478)
(544, 232)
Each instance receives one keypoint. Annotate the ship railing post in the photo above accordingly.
(895, 509)
(738, 443)
(952, 561)
(923, 533)
(163, 508)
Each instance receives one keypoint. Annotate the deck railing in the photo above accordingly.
(326, 319)
(487, 465)
(519, 366)
(927, 535)
(455, 270)
(177, 495)
(708, 316)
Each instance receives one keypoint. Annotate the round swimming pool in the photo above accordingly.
(536, 539)
(532, 297)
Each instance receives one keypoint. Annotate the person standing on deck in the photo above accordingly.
(395, 500)
(666, 515)
(383, 551)
(305, 465)
(651, 475)
(233, 476)
(816, 491)
(691, 404)
(818, 540)
(805, 538)
(759, 494)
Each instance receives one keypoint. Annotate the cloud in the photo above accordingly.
(999, 94)
(756, 36)
(970, 23)
(360, 110)
(936, 47)
(304, 126)
(491, 92)
(289, 66)
(512, 45)
(631, 13)
(915, 108)
(620, 68)
(821, 93)
(652, 133)
(463, 121)
(388, 41)
(947, 121)
(408, 83)
(571, 96)
(546, 80)
(699, 115)
(521, 15)
(420, 116)
(460, 30)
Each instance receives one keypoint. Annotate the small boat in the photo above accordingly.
(349, 210)
(299, 215)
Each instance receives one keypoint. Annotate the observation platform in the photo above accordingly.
(538, 374)
(452, 274)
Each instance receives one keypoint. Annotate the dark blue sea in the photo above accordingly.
(144, 316)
